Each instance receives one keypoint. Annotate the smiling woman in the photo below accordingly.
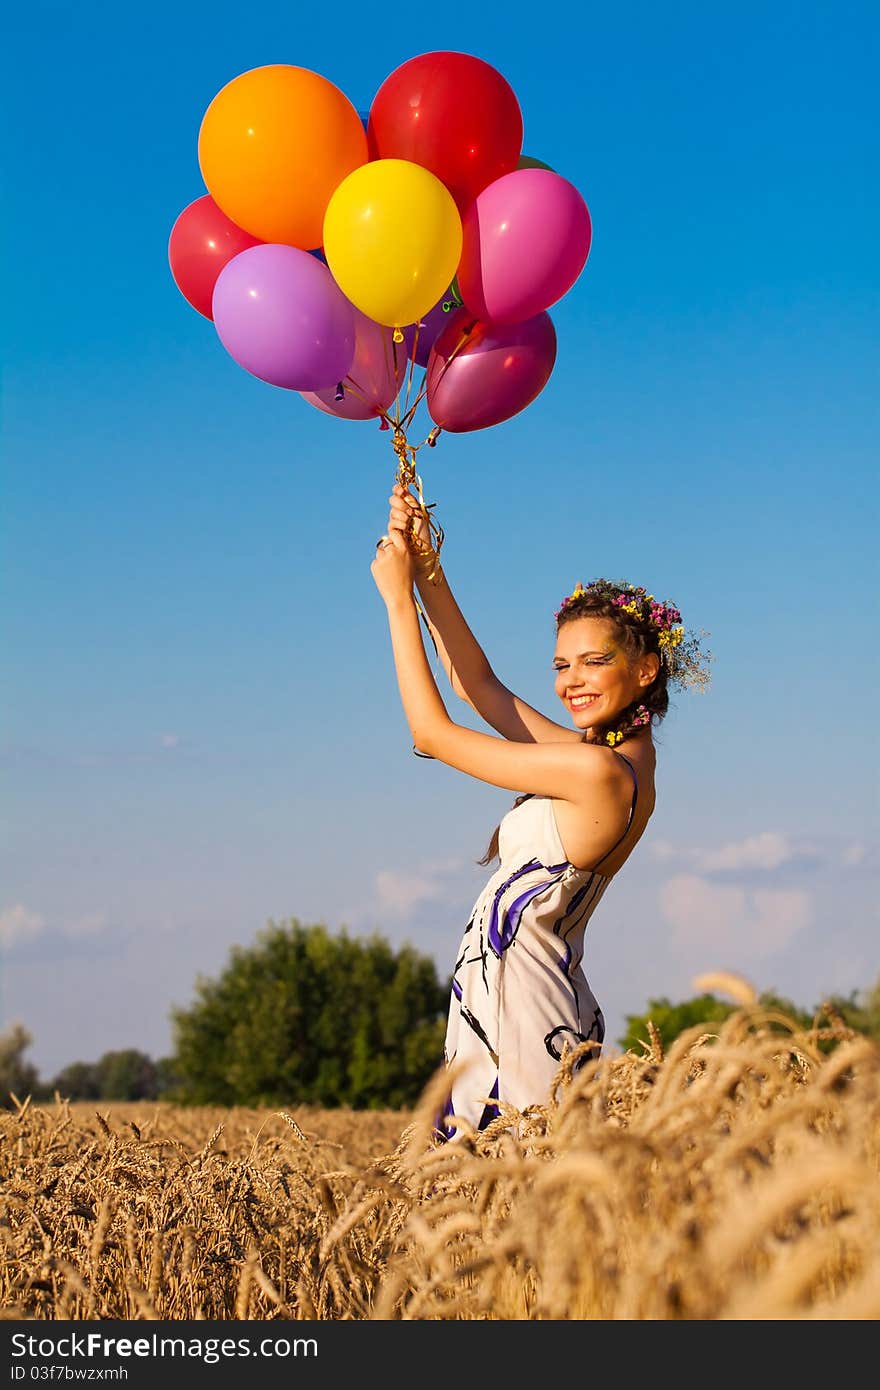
(520, 997)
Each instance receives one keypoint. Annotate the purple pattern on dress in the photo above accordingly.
(500, 935)
(575, 903)
(490, 1112)
(442, 1130)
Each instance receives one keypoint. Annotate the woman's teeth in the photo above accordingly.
(580, 701)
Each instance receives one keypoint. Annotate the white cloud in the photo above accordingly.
(732, 925)
(664, 849)
(769, 849)
(854, 854)
(17, 924)
(765, 851)
(88, 925)
(398, 893)
(169, 740)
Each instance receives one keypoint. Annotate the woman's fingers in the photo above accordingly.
(406, 504)
(405, 513)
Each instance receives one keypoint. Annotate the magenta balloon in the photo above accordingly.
(430, 328)
(281, 315)
(379, 369)
(526, 240)
(482, 373)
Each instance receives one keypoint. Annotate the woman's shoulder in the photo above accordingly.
(641, 755)
(637, 751)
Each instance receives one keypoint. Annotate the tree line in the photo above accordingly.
(304, 1016)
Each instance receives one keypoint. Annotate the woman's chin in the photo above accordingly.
(586, 729)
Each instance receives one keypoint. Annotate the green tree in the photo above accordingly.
(126, 1075)
(304, 1016)
(167, 1078)
(860, 1011)
(77, 1081)
(671, 1019)
(16, 1074)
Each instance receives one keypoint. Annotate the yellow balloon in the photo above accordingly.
(392, 238)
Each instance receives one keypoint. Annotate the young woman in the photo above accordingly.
(519, 995)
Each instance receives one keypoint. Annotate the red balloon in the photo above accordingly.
(482, 373)
(454, 115)
(203, 240)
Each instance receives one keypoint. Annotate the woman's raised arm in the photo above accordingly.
(463, 659)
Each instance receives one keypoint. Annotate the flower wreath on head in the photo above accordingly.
(685, 660)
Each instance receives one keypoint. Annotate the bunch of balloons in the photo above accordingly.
(336, 251)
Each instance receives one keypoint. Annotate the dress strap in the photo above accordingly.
(632, 809)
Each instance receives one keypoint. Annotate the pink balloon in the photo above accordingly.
(281, 315)
(379, 369)
(482, 373)
(526, 240)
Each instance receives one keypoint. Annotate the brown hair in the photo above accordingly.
(637, 638)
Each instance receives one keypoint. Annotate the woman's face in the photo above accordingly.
(593, 677)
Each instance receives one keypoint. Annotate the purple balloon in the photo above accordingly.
(281, 315)
(430, 328)
(482, 373)
(526, 240)
(374, 378)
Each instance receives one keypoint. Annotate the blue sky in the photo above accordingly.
(201, 726)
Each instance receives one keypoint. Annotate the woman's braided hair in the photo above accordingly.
(641, 626)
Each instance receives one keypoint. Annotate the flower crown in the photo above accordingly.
(685, 660)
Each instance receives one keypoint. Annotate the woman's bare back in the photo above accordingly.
(589, 833)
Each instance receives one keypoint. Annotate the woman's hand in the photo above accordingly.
(393, 568)
(405, 510)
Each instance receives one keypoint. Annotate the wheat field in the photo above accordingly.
(734, 1178)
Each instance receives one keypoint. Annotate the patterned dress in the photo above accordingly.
(518, 991)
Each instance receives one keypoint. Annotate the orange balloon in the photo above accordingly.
(274, 145)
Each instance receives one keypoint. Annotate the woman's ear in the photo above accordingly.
(650, 668)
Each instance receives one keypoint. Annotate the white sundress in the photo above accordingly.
(519, 993)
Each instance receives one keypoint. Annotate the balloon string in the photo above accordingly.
(408, 418)
(457, 349)
(407, 476)
(351, 385)
(398, 379)
(412, 367)
(389, 420)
